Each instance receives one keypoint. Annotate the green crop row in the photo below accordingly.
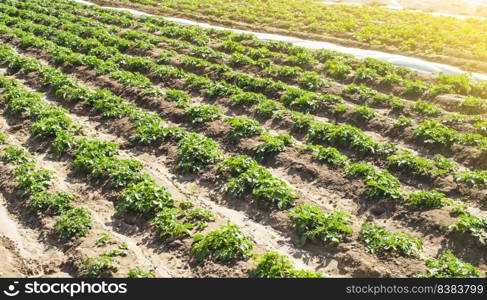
(341, 64)
(36, 184)
(215, 69)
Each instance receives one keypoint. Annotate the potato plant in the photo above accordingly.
(196, 152)
(73, 223)
(246, 176)
(313, 224)
(380, 241)
(275, 265)
(138, 273)
(426, 200)
(449, 266)
(227, 243)
(144, 197)
(327, 155)
(283, 84)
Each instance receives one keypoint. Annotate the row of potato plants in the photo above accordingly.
(374, 98)
(249, 95)
(94, 158)
(36, 186)
(200, 237)
(223, 244)
(335, 63)
(365, 24)
(376, 191)
(37, 183)
(138, 193)
(205, 113)
(119, 58)
(172, 219)
(422, 108)
(226, 243)
(396, 160)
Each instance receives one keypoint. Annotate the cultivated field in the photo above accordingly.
(472, 8)
(459, 42)
(136, 147)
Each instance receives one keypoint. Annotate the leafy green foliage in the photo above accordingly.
(470, 224)
(302, 121)
(63, 142)
(311, 81)
(32, 180)
(151, 132)
(328, 155)
(460, 83)
(403, 122)
(196, 152)
(177, 95)
(408, 162)
(449, 266)
(472, 178)
(363, 92)
(313, 224)
(364, 73)
(104, 239)
(389, 101)
(337, 68)
(144, 197)
(306, 102)
(379, 240)
(54, 202)
(443, 165)
(340, 109)
(379, 183)
(246, 175)
(219, 90)
(426, 200)
(202, 113)
(16, 155)
(426, 109)
(345, 136)
(49, 127)
(473, 105)
(99, 266)
(414, 88)
(131, 79)
(75, 222)
(138, 273)
(177, 223)
(244, 127)
(223, 244)
(364, 113)
(123, 172)
(247, 98)
(272, 144)
(268, 108)
(89, 154)
(433, 132)
(481, 127)
(275, 265)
